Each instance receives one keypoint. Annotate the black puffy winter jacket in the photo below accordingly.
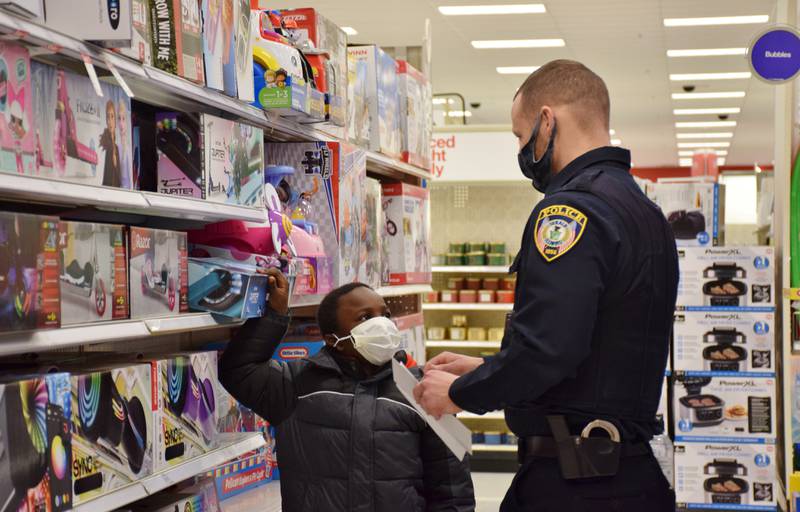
(345, 442)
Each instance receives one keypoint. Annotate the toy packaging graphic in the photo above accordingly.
(694, 210)
(227, 288)
(177, 38)
(369, 271)
(726, 476)
(159, 273)
(246, 27)
(243, 474)
(80, 136)
(188, 410)
(289, 351)
(106, 23)
(358, 121)
(724, 341)
(382, 97)
(113, 429)
(17, 133)
(416, 115)
(234, 161)
(321, 188)
(141, 45)
(36, 446)
(218, 41)
(94, 272)
(412, 328)
(180, 165)
(29, 256)
(734, 276)
(714, 406)
(407, 234)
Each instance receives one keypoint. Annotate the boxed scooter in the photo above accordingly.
(712, 406)
(724, 476)
(81, 137)
(370, 270)
(726, 277)
(382, 97)
(358, 119)
(694, 209)
(416, 116)
(159, 273)
(407, 234)
(36, 445)
(227, 288)
(321, 188)
(724, 341)
(177, 38)
(114, 428)
(106, 23)
(17, 125)
(29, 290)
(94, 272)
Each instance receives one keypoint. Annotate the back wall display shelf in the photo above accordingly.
(439, 306)
(475, 269)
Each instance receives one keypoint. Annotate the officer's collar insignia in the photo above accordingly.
(558, 229)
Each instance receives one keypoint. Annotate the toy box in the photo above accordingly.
(710, 405)
(278, 78)
(17, 123)
(372, 236)
(725, 476)
(227, 288)
(694, 210)
(727, 277)
(113, 429)
(180, 165)
(407, 234)
(242, 474)
(107, 23)
(159, 274)
(321, 186)
(246, 27)
(724, 341)
(358, 121)
(94, 272)
(36, 445)
(416, 116)
(177, 38)
(141, 45)
(412, 330)
(234, 161)
(187, 387)
(80, 136)
(382, 97)
(29, 290)
(219, 43)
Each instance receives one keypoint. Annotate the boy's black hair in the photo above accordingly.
(328, 312)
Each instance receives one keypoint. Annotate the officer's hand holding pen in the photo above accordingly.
(457, 364)
(433, 393)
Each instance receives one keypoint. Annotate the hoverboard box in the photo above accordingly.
(158, 271)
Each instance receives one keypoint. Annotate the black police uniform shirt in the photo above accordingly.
(597, 278)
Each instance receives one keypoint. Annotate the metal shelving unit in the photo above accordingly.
(477, 269)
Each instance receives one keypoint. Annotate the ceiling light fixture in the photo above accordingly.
(612, 131)
(688, 162)
(718, 20)
(707, 95)
(688, 145)
(703, 111)
(709, 135)
(705, 124)
(442, 101)
(350, 31)
(707, 52)
(479, 10)
(719, 152)
(684, 77)
(459, 113)
(518, 43)
(516, 70)
(616, 142)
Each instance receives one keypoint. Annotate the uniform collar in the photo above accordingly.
(620, 156)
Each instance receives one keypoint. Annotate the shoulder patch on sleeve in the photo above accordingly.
(558, 229)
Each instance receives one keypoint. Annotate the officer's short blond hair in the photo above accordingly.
(567, 82)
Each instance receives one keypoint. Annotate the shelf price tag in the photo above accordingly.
(87, 62)
(118, 77)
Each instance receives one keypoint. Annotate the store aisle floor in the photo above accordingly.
(490, 489)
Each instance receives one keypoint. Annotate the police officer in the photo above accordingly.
(580, 370)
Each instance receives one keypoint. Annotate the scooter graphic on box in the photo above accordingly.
(65, 141)
(159, 284)
(85, 280)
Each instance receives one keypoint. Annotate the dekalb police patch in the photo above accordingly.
(558, 229)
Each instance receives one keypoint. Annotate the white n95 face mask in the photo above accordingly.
(376, 339)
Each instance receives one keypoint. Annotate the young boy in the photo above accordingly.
(346, 437)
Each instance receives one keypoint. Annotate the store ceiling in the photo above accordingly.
(624, 41)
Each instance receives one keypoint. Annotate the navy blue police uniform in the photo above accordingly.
(588, 338)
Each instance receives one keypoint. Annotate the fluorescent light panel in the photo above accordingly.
(707, 95)
(719, 152)
(350, 31)
(516, 70)
(707, 52)
(459, 113)
(705, 124)
(704, 111)
(480, 10)
(681, 77)
(718, 20)
(612, 131)
(687, 145)
(706, 135)
(518, 43)
(687, 162)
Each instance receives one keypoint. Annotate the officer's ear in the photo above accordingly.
(548, 118)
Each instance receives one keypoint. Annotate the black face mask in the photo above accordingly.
(537, 171)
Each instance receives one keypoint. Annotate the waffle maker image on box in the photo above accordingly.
(698, 409)
(726, 486)
(686, 225)
(722, 288)
(724, 355)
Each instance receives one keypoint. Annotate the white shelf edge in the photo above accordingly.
(494, 415)
(456, 306)
(462, 344)
(203, 210)
(405, 289)
(471, 269)
(237, 444)
(494, 448)
(187, 322)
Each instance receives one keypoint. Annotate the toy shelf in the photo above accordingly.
(440, 306)
(462, 344)
(479, 269)
(494, 448)
(494, 415)
(233, 446)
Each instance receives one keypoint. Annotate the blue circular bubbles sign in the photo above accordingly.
(775, 54)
